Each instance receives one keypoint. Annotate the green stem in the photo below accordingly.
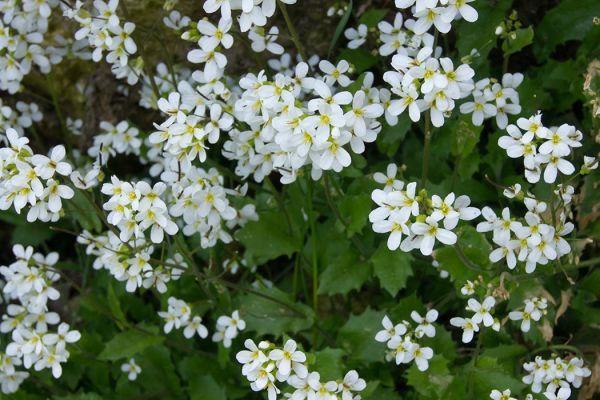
(336, 212)
(281, 204)
(293, 33)
(59, 114)
(475, 357)
(426, 150)
(563, 347)
(315, 266)
(295, 276)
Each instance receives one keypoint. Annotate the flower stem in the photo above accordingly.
(426, 150)
(280, 203)
(292, 30)
(315, 266)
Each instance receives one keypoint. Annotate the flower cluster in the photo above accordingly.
(163, 80)
(253, 12)
(32, 180)
(136, 207)
(212, 40)
(285, 134)
(23, 29)
(20, 118)
(103, 31)
(262, 40)
(403, 341)
(541, 147)
(534, 309)
(356, 37)
(228, 328)
(198, 196)
(264, 365)
(191, 125)
(482, 314)
(412, 220)
(176, 21)
(533, 241)
(399, 37)
(115, 139)
(494, 99)
(557, 375)
(429, 13)
(179, 315)
(424, 82)
(130, 264)
(29, 280)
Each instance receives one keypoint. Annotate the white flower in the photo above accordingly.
(463, 8)
(288, 359)
(214, 36)
(131, 369)
(498, 395)
(468, 327)
(389, 178)
(46, 167)
(422, 355)
(427, 232)
(211, 6)
(482, 311)
(431, 16)
(356, 37)
(251, 358)
(390, 330)
(555, 163)
(562, 394)
(425, 327)
(232, 324)
(335, 73)
(322, 391)
(351, 383)
(195, 327)
(262, 41)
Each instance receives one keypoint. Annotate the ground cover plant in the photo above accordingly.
(303, 199)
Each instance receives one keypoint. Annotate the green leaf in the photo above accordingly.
(393, 136)
(357, 336)
(271, 311)
(518, 40)
(80, 396)
(344, 274)
(356, 209)
(26, 233)
(488, 375)
(392, 268)
(569, 20)
(128, 343)
(329, 364)
(158, 372)
(465, 136)
(432, 382)
(481, 35)
(384, 393)
(82, 212)
(340, 28)
(204, 387)
(476, 249)
(268, 238)
(360, 58)
(115, 305)
(372, 17)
